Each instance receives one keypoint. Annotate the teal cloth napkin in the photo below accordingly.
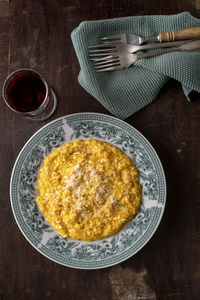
(125, 91)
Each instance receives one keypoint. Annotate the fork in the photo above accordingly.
(123, 60)
(125, 38)
(104, 49)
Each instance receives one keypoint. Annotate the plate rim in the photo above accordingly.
(120, 260)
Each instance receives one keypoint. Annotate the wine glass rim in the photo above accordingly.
(15, 73)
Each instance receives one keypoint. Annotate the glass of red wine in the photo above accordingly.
(26, 92)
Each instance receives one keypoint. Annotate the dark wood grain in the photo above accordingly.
(36, 34)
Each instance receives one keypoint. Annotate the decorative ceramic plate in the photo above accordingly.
(80, 254)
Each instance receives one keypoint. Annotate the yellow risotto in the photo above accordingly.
(88, 189)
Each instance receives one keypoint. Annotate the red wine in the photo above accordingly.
(26, 92)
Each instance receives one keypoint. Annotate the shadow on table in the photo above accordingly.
(161, 260)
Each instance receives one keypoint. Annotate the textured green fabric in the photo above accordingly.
(124, 92)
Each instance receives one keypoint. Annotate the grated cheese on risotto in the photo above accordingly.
(88, 189)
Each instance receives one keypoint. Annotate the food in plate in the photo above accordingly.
(88, 189)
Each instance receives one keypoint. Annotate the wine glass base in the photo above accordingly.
(49, 110)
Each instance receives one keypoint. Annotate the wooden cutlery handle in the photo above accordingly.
(184, 34)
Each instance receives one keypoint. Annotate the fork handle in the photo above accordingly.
(154, 53)
(184, 34)
(188, 47)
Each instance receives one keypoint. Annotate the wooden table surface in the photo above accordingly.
(36, 34)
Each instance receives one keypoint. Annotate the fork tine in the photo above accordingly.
(106, 61)
(108, 65)
(102, 45)
(104, 54)
(111, 41)
(105, 57)
(102, 58)
(102, 50)
(110, 69)
(111, 37)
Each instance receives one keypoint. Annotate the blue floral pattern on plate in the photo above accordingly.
(80, 254)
